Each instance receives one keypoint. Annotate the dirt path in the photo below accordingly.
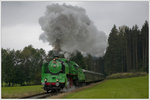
(61, 95)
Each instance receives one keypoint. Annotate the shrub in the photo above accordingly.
(126, 75)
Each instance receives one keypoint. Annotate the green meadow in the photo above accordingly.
(20, 91)
(136, 87)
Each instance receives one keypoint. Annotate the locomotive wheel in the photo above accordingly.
(48, 91)
(57, 90)
(69, 83)
(83, 84)
(76, 82)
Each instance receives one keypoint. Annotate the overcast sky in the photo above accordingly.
(20, 20)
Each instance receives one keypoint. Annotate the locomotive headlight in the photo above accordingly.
(57, 83)
(57, 80)
(45, 79)
(43, 83)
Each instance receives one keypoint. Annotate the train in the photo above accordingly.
(61, 73)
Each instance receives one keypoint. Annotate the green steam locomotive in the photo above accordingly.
(61, 73)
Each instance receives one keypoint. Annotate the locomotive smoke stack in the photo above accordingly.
(57, 48)
(68, 28)
(57, 45)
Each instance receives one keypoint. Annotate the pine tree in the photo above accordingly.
(145, 41)
(111, 56)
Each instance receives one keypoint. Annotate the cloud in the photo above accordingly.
(21, 35)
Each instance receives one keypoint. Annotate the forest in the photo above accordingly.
(127, 51)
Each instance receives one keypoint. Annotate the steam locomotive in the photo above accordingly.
(61, 73)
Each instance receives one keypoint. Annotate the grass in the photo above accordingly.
(21, 91)
(136, 87)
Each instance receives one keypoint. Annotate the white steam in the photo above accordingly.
(70, 28)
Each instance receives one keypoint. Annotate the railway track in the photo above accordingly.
(46, 95)
(41, 95)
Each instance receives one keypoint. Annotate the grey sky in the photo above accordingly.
(20, 26)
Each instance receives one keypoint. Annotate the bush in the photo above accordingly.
(126, 75)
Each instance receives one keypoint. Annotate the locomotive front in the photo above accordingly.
(53, 75)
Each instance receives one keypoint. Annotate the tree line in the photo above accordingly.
(22, 67)
(127, 51)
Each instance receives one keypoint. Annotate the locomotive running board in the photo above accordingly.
(92, 72)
